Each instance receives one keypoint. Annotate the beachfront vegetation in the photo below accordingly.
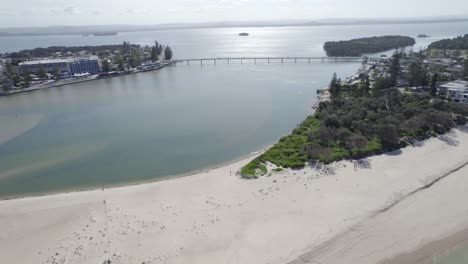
(458, 43)
(356, 124)
(358, 47)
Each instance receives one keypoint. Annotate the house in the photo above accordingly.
(456, 91)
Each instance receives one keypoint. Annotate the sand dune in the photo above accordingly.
(330, 214)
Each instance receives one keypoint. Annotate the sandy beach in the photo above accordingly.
(386, 209)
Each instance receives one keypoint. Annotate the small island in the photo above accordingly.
(360, 46)
(244, 34)
(423, 36)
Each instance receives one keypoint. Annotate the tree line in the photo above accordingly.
(458, 43)
(360, 46)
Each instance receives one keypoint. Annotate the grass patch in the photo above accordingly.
(287, 153)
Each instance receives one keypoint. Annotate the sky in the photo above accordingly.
(22, 13)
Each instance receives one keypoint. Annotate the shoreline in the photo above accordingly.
(245, 157)
(91, 78)
(438, 248)
(212, 216)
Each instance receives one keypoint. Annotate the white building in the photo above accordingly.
(68, 66)
(457, 91)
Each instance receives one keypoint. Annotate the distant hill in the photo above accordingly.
(458, 43)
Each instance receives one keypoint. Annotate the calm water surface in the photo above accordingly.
(145, 126)
(148, 125)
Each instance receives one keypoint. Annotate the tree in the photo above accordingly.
(126, 47)
(156, 51)
(41, 73)
(424, 76)
(105, 64)
(9, 70)
(465, 69)
(27, 79)
(434, 80)
(395, 68)
(388, 134)
(56, 73)
(364, 86)
(356, 141)
(381, 84)
(417, 74)
(168, 53)
(335, 87)
(154, 55)
(158, 48)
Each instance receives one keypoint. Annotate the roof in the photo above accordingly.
(41, 62)
(67, 60)
(456, 85)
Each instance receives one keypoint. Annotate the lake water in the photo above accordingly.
(146, 126)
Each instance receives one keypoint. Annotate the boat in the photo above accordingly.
(243, 34)
(423, 36)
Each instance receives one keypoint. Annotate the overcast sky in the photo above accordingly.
(91, 12)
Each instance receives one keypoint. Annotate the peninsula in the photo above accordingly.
(40, 68)
(373, 113)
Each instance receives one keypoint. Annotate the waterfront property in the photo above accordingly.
(456, 91)
(66, 67)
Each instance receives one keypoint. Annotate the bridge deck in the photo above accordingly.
(282, 59)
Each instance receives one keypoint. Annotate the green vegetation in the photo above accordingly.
(358, 47)
(156, 51)
(352, 127)
(167, 53)
(105, 64)
(49, 51)
(458, 43)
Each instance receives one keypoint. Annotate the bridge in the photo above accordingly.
(254, 60)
